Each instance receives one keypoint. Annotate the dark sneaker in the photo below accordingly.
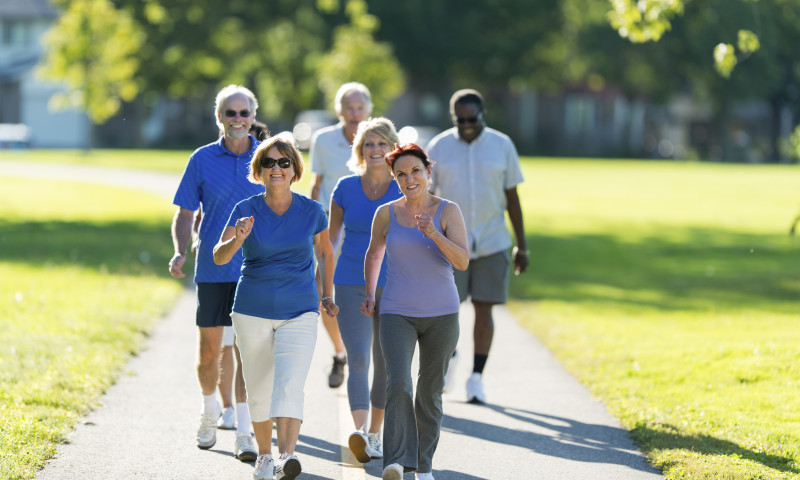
(359, 445)
(336, 378)
(288, 468)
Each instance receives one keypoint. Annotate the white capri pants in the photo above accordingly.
(276, 357)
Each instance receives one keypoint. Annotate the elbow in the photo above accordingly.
(461, 264)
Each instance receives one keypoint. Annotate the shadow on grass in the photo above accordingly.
(668, 437)
(120, 247)
(687, 269)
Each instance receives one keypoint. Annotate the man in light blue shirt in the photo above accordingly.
(216, 180)
(478, 168)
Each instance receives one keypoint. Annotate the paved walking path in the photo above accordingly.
(540, 423)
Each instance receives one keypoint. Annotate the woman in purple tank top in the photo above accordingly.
(423, 238)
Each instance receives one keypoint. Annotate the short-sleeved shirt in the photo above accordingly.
(359, 210)
(277, 278)
(329, 153)
(215, 178)
(476, 176)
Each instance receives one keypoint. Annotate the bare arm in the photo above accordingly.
(335, 221)
(374, 257)
(453, 243)
(324, 252)
(316, 188)
(232, 239)
(514, 209)
(181, 236)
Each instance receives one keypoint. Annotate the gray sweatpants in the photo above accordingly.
(411, 427)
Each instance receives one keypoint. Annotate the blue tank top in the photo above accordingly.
(419, 278)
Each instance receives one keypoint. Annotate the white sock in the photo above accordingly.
(341, 356)
(210, 405)
(242, 418)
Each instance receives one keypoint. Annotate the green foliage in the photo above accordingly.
(83, 282)
(724, 59)
(678, 315)
(356, 56)
(93, 47)
(643, 20)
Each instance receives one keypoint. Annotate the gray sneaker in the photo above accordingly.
(265, 468)
(244, 449)
(359, 445)
(393, 472)
(336, 378)
(207, 433)
(288, 468)
(375, 446)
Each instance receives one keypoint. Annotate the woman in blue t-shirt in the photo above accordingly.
(423, 238)
(353, 203)
(276, 305)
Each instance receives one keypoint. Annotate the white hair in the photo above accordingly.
(227, 93)
(347, 89)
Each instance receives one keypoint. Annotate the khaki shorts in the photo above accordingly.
(486, 278)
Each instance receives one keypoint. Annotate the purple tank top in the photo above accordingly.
(419, 278)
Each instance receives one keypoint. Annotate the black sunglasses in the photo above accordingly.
(232, 113)
(474, 119)
(282, 162)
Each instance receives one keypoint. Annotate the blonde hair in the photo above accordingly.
(286, 148)
(380, 126)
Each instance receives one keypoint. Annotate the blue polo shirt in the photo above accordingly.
(277, 279)
(216, 178)
(359, 210)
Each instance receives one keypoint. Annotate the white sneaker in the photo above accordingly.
(227, 421)
(244, 449)
(288, 468)
(265, 468)
(475, 389)
(375, 446)
(393, 472)
(424, 476)
(207, 433)
(359, 445)
(450, 376)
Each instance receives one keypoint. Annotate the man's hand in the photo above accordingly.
(175, 265)
(521, 261)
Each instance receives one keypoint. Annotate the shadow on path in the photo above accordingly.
(554, 436)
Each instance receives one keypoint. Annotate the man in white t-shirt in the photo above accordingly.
(478, 168)
(330, 149)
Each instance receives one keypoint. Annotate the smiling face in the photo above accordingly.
(235, 125)
(276, 175)
(468, 118)
(355, 110)
(412, 175)
(373, 151)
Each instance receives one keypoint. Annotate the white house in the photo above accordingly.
(23, 96)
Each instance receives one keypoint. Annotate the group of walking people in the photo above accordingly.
(267, 265)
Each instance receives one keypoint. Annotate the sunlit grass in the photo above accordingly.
(671, 291)
(82, 281)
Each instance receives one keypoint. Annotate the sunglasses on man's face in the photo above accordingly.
(232, 113)
(282, 162)
(474, 119)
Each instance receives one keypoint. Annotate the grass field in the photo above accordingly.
(671, 291)
(82, 282)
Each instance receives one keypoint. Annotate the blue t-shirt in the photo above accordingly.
(217, 179)
(359, 210)
(277, 280)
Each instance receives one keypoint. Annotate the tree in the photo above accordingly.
(93, 48)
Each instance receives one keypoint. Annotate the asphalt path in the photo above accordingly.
(539, 423)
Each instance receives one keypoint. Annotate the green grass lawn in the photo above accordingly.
(82, 282)
(671, 291)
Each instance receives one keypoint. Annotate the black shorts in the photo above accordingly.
(214, 304)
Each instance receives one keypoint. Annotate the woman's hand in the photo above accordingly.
(330, 308)
(243, 228)
(368, 307)
(425, 225)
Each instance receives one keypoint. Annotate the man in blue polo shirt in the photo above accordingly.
(216, 179)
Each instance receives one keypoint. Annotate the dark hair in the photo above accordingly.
(408, 149)
(466, 95)
(260, 130)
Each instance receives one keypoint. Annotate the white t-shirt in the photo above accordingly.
(476, 176)
(329, 153)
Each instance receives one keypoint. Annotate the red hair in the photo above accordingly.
(408, 149)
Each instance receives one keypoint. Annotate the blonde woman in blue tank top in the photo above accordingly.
(423, 238)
